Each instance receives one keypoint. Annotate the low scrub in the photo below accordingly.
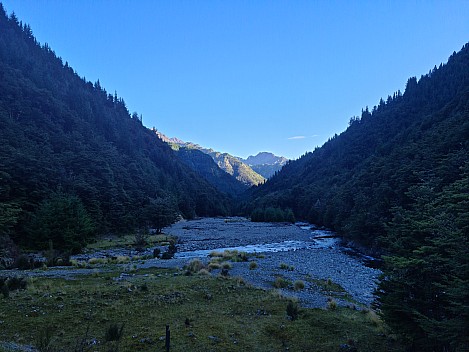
(281, 282)
(299, 285)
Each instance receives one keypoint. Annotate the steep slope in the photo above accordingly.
(205, 166)
(352, 182)
(235, 167)
(398, 179)
(62, 135)
(266, 164)
(232, 165)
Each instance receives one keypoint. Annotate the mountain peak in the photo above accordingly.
(266, 158)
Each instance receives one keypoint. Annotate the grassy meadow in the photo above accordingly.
(128, 311)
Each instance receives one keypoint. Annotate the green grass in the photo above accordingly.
(127, 241)
(228, 255)
(332, 289)
(236, 316)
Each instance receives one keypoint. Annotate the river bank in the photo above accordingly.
(298, 252)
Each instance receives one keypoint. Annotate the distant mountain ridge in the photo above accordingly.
(232, 165)
(265, 163)
(265, 158)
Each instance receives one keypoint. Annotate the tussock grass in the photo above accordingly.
(128, 241)
(281, 282)
(227, 309)
(298, 285)
(229, 255)
(285, 266)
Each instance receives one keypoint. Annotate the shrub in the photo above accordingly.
(331, 303)
(22, 262)
(215, 254)
(156, 253)
(285, 266)
(214, 265)
(280, 282)
(167, 255)
(141, 239)
(17, 283)
(226, 265)
(298, 285)
(44, 340)
(252, 265)
(243, 257)
(172, 248)
(94, 261)
(4, 288)
(122, 259)
(114, 332)
(194, 266)
(292, 310)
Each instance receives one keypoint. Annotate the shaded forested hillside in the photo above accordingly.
(353, 182)
(397, 180)
(205, 166)
(66, 142)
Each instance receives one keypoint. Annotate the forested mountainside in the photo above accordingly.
(398, 179)
(68, 145)
(232, 165)
(265, 164)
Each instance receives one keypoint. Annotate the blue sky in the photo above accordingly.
(249, 76)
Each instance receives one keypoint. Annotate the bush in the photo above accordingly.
(141, 240)
(114, 332)
(252, 265)
(293, 310)
(285, 266)
(4, 288)
(156, 253)
(44, 340)
(22, 262)
(167, 255)
(298, 285)
(226, 265)
(280, 282)
(331, 303)
(8, 284)
(214, 265)
(194, 266)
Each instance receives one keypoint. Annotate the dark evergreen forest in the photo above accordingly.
(397, 182)
(71, 153)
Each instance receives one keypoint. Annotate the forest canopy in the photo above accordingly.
(71, 151)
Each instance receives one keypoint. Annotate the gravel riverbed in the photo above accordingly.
(294, 252)
(307, 257)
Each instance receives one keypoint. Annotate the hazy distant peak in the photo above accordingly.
(266, 158)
